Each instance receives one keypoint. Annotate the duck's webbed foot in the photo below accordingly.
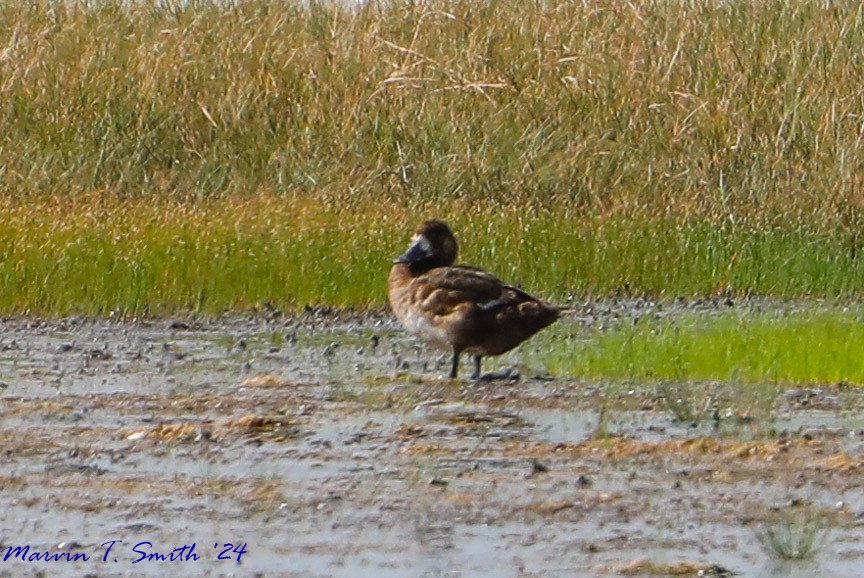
(510, 374)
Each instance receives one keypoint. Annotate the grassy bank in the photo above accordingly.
(204, 156)
(97, 254)
(815, 346)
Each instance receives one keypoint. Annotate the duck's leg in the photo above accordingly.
(454, 369)
(476, 374)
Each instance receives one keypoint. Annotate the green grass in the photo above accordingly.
(205, 156)
(98, 255)
(157, 258)
(814, 346)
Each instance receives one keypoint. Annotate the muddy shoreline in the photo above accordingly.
(328, 444)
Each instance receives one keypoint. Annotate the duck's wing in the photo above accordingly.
(476, 311)
(445, 289)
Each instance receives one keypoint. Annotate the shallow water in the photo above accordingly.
(330, 446)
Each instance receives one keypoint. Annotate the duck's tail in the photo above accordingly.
(572, 313)
(562, 310)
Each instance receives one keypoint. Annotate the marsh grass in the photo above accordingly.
(687, 403)
(795, 535)
(208, 156)
(753, 351)
(98, 254)
(665, 107)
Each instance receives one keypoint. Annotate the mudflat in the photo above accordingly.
(328, 444)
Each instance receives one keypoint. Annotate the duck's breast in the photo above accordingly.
(428, 327)
(441, 305)
(409, 299)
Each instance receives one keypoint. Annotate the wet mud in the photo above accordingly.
(330, 445)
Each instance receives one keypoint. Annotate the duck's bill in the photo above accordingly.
(420, 249)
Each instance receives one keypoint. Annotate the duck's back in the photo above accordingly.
(466, 309)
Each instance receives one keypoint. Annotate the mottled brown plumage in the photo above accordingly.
(458, 308)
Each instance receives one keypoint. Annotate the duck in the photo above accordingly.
(458, 308)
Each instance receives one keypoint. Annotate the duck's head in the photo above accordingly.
(433, 245)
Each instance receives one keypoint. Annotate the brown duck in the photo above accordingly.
(457, 308)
